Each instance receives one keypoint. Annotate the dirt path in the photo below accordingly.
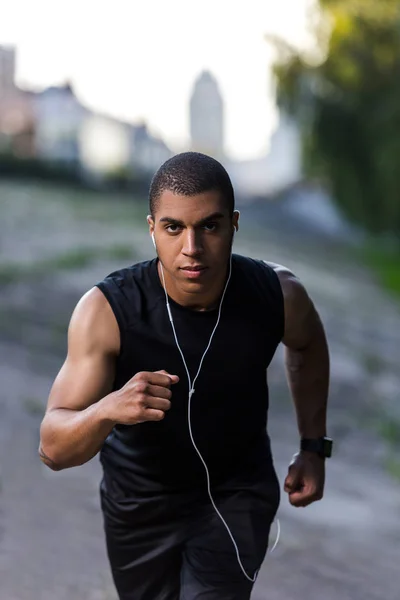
(347, 546)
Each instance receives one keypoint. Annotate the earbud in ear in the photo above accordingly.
(153, 240)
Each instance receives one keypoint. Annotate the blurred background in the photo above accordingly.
(300, 100)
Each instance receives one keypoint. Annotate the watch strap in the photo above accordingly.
(321, 446)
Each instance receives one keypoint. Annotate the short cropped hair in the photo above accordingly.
(189, 174)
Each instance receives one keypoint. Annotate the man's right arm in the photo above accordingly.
(82, 410)
(76, 423)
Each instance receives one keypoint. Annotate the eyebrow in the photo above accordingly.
(215, 216)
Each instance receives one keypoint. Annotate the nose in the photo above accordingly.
(192, 244)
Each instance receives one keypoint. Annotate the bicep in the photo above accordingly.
(88, 372)
(82, 382)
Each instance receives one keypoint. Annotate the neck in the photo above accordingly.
(198, 301)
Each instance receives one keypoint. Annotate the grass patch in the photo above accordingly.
(372, 363)
(76, 259)
(10, 273)
(389, 429)
(83, 257)
(34, 406)
(111, 208)
(385, 262)
(119, 252)
(393, 467)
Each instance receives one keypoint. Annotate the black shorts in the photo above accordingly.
(173, 546)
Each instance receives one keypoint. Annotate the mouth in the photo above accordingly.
(194, 271)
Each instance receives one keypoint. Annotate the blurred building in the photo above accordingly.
(54, 125)
(148, 152)
(108, 145)
(278, 169)
(59, 117)
(207, 116)
(16, 111)
(284, 160)
(104, 144)
(7, 70)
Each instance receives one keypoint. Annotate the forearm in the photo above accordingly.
(307, 373)
(69, 438)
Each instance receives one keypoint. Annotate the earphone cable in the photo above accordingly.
(191, 392)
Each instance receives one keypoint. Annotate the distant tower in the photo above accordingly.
(207, 117)
(7, 70)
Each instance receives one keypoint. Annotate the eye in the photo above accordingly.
(172, 228)
(210, 226)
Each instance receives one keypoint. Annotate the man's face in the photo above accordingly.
(194, 237)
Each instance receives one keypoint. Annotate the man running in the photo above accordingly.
(166, 377)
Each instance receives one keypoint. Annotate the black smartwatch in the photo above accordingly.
(321, 446)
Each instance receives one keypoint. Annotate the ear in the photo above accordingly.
(150, 223)
(235, 220)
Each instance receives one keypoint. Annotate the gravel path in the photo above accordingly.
(51, 540)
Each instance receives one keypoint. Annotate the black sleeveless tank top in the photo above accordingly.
(230, 404)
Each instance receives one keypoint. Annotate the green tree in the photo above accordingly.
(347, 104)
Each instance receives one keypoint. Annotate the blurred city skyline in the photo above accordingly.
(141, 62)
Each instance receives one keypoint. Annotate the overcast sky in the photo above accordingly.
(139, 60)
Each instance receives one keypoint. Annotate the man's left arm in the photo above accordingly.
(307, 371)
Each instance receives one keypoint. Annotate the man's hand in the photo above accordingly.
(145, 397)
(306, 479)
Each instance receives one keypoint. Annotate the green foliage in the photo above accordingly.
(385, 262)
(348, 107)
(393, 467)
(390, 431)
(120, 180)
(26, 168)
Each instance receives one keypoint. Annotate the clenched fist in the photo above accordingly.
(305, 480)
(145, 397)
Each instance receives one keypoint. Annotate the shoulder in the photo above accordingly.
(301, 317)
(93, 324)
(292, 288)
(98, 316)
